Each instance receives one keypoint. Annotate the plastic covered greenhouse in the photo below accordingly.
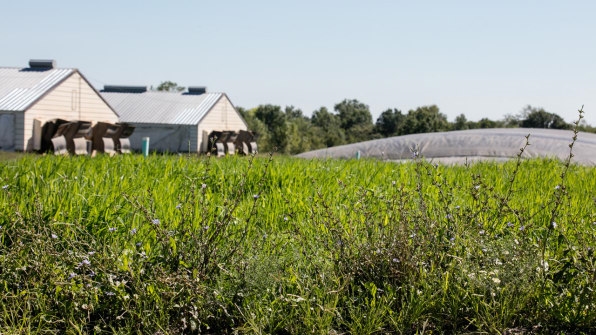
(470, 145)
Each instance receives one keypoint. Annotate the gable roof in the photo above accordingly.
(162, 107)
(22, 87)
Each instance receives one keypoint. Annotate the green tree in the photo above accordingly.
(355, 119)
(301, 134)
(461, 123)
(170, 86)
(488, 123)
(328, 127)
(257, 127)
(275, 121)
(425, 119)
(539, 118)
(389, 123)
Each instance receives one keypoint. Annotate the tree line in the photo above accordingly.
(288, 130)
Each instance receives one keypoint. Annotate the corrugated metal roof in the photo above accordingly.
(161, 107)
(21, 87)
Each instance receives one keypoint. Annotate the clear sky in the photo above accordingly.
(479, 58)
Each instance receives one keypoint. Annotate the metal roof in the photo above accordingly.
(21, 87)
(161, 107)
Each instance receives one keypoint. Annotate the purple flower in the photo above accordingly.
(155, 221)
(5, 187)
(112, 229)
(72, 275)
(256, 196)
(178, 206)
(133, 231)
(204, 186)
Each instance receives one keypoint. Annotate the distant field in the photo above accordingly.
(180, 244)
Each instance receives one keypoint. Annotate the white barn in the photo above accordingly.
(33, 95)
(173, 121)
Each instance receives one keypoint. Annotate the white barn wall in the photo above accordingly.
(223, 116)
(73, 99)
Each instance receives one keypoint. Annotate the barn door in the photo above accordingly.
(7, 131)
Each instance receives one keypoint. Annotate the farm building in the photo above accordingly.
(173, 121)
(33, 95)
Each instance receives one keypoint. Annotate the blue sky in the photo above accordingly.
(479, 58)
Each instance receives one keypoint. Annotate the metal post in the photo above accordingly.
(145, 146)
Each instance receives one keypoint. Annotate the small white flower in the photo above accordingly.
(112, 229)
(554, 225)
(54, 236)
(5, 187)
(496, 280)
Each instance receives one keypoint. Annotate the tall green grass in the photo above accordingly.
(276, 245)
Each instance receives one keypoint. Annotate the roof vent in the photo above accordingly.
(197, 90)
(124, 89)
(42, 63)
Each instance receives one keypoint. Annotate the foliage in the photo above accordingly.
(275, 121)
(170, 86)
(389, 123)
(330, 127)
(355, 119)
(288, 130)
(539, 118)
(425, 119)
(183, 244)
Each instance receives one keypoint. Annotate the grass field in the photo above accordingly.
(176, 244)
